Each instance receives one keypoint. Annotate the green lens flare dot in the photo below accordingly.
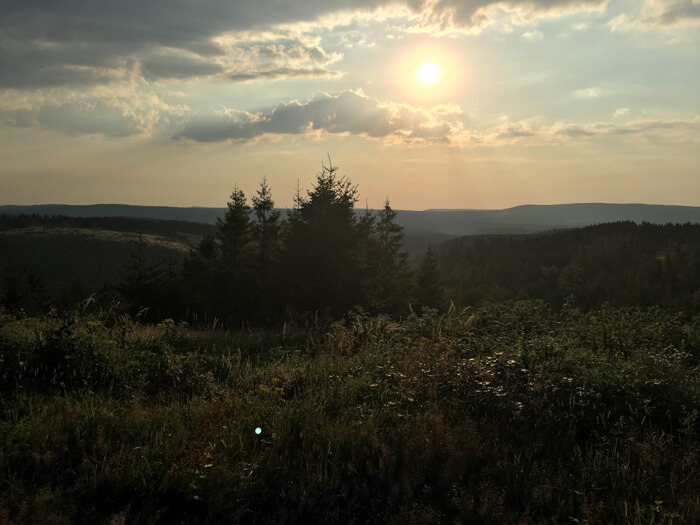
(258, 431)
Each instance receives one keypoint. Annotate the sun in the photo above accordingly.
(425, 73)
(428, 73)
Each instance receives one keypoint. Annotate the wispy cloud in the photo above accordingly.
(656, 14)
(650, 130)
(592, 92)
(116, 111)
(533, 35)
(447, 16)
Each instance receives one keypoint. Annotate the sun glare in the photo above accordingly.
(425, 73)
(428, 73)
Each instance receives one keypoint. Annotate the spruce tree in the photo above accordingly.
(323, 240)
(233, 273)
(139, 282)
(233, 231)
(429, 292)
(393, 282)
(266, 230)
(200, 270)
(22, 289)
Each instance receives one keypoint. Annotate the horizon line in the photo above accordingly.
(359, 208)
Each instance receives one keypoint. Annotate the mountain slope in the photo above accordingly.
(520, 219)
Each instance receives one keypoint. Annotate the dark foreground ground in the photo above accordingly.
(509, 413)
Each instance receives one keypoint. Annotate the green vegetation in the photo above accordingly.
(67, 259)
(622, 263)
(185, 232)
(509, 413)
(297, 371)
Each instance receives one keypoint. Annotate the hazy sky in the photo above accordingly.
(172, 102)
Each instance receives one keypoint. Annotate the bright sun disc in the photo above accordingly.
(428, 73)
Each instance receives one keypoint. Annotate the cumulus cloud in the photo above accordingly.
(354, 113)
(350, 112)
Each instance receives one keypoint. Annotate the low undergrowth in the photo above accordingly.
(508, 413)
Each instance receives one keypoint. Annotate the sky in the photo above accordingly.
(176, 102)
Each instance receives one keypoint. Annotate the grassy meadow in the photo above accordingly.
(507, 413)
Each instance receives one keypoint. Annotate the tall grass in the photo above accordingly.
(508, 413)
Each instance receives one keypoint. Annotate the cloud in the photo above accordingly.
(350, 112)
(26, 63)
(354, 113)
(121, 111)
(178, 65)
(116, 111)
(659, 14)
(514, 130)
(33, 65)
(83, 42)
(446, 16)
(84, 119)
(20, 118)
(653, 130)
(593, 92)
(44, 44)
(276, 57)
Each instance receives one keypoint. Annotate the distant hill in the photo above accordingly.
(520, 219)
(185, 232)
(92, 242)
(61, 256)
(621, 263)
(536, 218)
(205, 215)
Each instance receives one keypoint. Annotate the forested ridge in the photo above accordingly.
(324, 256)
(624, 264)
(122, 224)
